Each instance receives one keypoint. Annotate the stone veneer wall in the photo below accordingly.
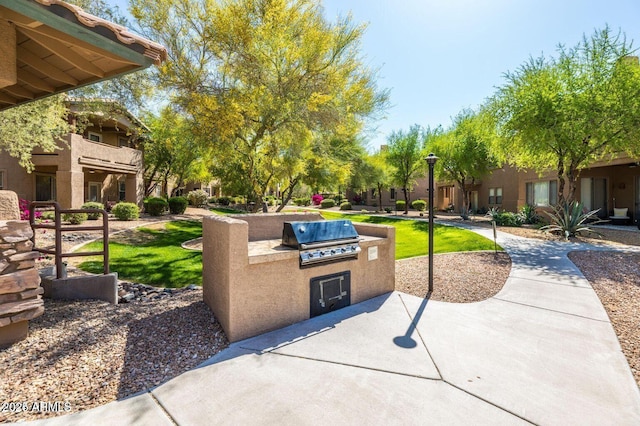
(20, 289)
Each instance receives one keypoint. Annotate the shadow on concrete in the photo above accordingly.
(406, 341)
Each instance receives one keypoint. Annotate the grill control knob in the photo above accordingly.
(343, 249)
(310, 254)
(333, 251)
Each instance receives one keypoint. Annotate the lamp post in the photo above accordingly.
(431, 160)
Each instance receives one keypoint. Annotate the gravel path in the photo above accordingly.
(90, 353)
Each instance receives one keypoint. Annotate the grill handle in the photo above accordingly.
(328, 243)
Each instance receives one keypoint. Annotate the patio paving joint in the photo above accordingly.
(487, 401)
(380, 370)
(552, 310)
(164, 410)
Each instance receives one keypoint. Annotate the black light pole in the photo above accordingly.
(431, 160)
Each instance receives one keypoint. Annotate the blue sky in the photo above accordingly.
(440, 56)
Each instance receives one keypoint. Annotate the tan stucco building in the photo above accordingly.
(606, 185)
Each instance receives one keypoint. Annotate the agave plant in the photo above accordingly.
(570, 218)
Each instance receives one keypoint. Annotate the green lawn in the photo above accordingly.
(159, 260)
(412, 236)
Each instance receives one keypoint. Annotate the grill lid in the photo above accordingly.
(300, 234)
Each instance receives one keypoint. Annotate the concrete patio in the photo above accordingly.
(542, 351)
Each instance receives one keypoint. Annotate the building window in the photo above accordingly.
(2, 185)
(123, 142)
(373, 192)
(45, 188)
(121, 190)
(96, 137)
(392, 192)
(541, 194)
(495, 195)
(95, 191)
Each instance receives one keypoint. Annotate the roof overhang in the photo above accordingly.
(49, 46)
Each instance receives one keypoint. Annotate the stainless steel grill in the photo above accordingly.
(322, 241)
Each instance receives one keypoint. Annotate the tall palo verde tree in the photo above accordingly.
(263, 79)
(563, 113)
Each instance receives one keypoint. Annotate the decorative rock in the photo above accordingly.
(28, 315)
(28, 255)
(31, 293)
(5, 321)
(23, 305)
(9, 252)
(3, 265)
(24, 246)
(11, 297)
(15, 231)
(19, 281)
(9, 209)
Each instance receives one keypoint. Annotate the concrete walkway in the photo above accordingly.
(542, 351)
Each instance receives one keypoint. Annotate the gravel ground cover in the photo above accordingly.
(90, 353)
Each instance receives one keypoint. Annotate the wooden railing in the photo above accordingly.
(59, 229)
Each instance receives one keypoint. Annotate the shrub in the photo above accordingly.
(197, 198)
(23, 205)
(327, 203)
(569, 219)
(224, 201)
(48, 215)
(388, 209)
(346, 206)
(211, 200)
(420, 205)
(400, 204)
(502, 218)
(155, 206)
(302, 201)
(125, 211)
(177, 205)
(529, 215)
(357, 199)
(93, 205)
(74, 218)
(316, 199)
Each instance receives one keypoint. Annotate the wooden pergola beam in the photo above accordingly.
(8, 64)
(65, 53)
(33, 61)
(33, 81)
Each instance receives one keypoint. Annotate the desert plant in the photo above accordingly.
(502, 218)
(155, 206)
(346, 206)
(74, 218)
(197, 197)
(93, 205)
(569, 219)
(529, 215)
(420, 205)
(316, 199)
(327, 203)
(224, 201)
(177, 205)
(125, 211)
(211, 200)
(400, 204)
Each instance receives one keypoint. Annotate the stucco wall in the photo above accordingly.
(251, 295)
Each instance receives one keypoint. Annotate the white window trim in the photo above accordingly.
(98, 135)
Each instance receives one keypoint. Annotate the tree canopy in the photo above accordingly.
(270, 84)
(37, 124)
(405, 154)
(463, 151)
(564, 113)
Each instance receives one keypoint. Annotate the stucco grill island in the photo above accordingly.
(263, 272)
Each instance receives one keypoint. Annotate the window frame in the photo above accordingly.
(91, 134)
(541, 200)
(2, 180)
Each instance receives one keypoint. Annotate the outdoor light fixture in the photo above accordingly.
(431, 161)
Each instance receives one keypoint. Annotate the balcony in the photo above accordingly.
(79, 154)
